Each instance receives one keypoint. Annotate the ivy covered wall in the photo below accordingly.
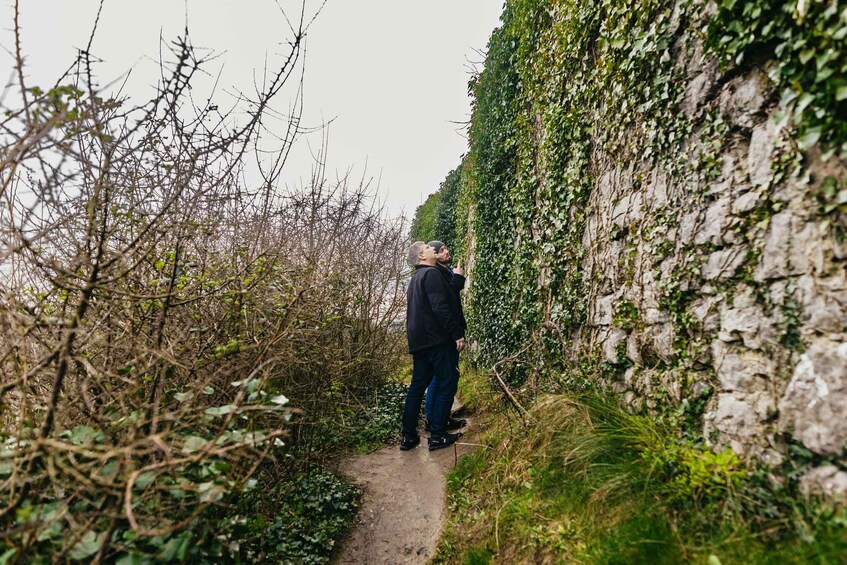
(654, 202)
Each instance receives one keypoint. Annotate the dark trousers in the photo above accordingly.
(440, 363)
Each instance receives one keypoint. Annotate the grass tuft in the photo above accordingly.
(588, 482)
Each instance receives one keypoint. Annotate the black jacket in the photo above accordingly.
(456, 283)
(432, 316)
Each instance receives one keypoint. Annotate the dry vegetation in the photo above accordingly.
(165, 325)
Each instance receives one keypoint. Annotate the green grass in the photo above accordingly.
(586, 482)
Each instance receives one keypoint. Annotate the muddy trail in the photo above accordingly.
(403, 503)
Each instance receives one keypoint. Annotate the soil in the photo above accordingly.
(403, 503)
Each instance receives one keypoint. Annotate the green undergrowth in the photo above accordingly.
(301, 519)
(365, 423)
(291, 521)
(586, 482)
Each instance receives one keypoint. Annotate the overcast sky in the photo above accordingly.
(391, 73)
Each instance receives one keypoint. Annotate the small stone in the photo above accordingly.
(746, 202)
(716, 221)
(737, 420)
(815, 402)
(696, 93)
(827, 480)
(661, 338)
(706, 312)
(760, 155)
(741, 370)
(741, 99)
(613, 339)
(723, 263)
(633, 349)
(774, 262)
(824, 303)
(743, 320)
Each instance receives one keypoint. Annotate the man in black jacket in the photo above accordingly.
(456, 279)
(436, 337)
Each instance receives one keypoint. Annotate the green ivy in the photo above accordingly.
(807, 42)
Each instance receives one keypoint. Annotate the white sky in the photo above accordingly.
(393, 73)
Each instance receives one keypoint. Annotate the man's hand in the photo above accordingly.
(460, 343)
(459, 271)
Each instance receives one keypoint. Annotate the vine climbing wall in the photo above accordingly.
(654, 203)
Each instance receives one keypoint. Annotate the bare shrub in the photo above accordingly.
(156, 314)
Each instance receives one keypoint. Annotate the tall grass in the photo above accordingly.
(587, 482)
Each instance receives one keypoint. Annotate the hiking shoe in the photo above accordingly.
(451, 424)
(408, 442)
(443, 441)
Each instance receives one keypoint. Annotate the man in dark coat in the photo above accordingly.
(436, 337)
(456, 279)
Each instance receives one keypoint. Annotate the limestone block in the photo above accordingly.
(649, 304)
(741, 99)
(732, 168)
(792, 190)
(760, 155)
(655, 316)
(689, 225)
(805, 247)
(738, 420)
(740, 369)
(657, 192)
(774, 263)
(660, 337)
(723, 263)
(814, 405)
(827, 480)
(745, 320)
(633, 349)
(606, 186)
(610, 342)
(706, 311)
(628, 210)
(746, 202)
(629, 377)
(824, 302)
(696, 93)
(716, 221)
(604, 309)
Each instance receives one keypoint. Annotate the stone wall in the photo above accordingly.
(727, 286)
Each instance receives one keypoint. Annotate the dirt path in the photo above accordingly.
(403, 504)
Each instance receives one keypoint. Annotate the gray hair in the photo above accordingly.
(415, 251)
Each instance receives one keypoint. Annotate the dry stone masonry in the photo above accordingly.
(740, 274)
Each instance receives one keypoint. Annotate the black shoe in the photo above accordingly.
(441, 442)
(408, 442)
(451, 424)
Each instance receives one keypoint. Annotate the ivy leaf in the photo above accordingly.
(84, 434)
(841, 93)
(144, 480)
(281, 400)
(86, 547)
(806, 99)
(219, 410)
(193, 443)
(780, 119)
(810, 138)
(183, 396)
(806, 55)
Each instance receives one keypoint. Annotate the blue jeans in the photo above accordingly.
(439, 365)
